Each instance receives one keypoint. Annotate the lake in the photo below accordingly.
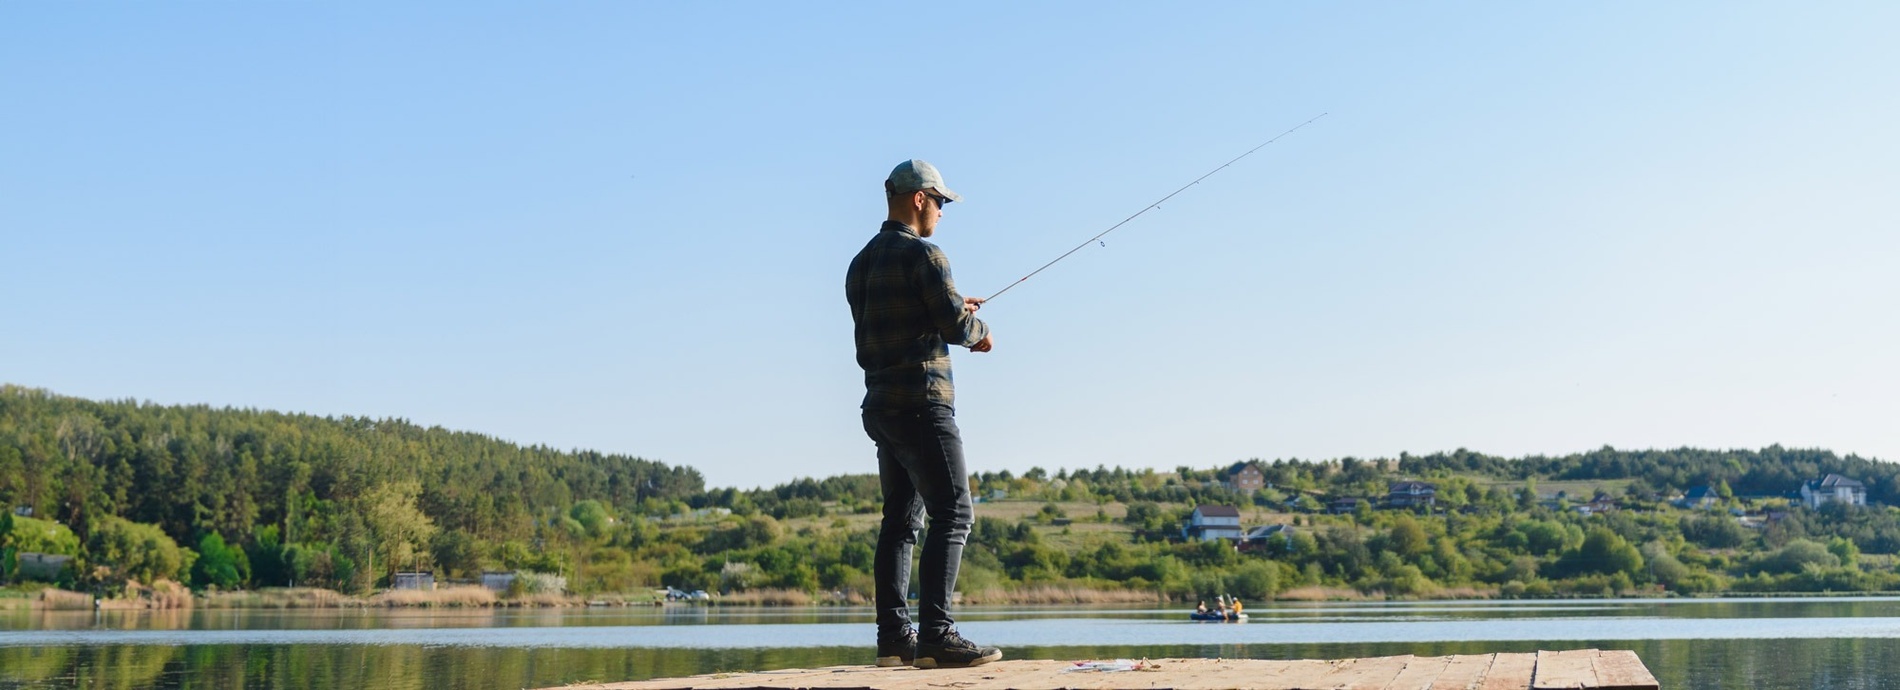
(1760, 644)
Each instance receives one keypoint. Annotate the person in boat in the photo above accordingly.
(1236, 608)
(1201, 608)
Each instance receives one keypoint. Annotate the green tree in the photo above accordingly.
(1408, 538)
(33, 535)
(8, 562)
(1603, 551)
(1844, 549)
(399, 529)
(1799, 555)
(136, 552)
(266, 555)
(592, 516)
(218, 565)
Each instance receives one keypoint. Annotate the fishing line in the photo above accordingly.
(1149, 207)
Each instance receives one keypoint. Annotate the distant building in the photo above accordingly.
(1344, 505)
(424, 580)
(43, 567)
(1833, 487)
(498, 581)
(1268, 538)
(1208, 523)
(1245, 478)
(1602, 504)
(1410, 494)
(23, 511)
(1704, 496)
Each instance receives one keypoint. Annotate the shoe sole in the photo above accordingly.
(892, 661)
(927, 662)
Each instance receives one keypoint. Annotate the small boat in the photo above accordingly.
(1216, 616)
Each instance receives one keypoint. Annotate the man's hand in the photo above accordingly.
(972, 304)
(983, 345)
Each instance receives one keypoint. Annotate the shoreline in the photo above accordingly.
(54, 599)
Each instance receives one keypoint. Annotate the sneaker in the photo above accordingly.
(953, 651)
(897, 651)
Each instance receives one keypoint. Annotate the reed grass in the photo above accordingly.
(1060, 594)
(542, 600)
(280, 598)
(767, 597)
(1319, 593)
(446, 597)
(62, 600)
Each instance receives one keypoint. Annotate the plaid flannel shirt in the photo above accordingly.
(906, 310)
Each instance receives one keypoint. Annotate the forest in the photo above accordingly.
(235, 499)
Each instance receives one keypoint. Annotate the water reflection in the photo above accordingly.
(1760, 644)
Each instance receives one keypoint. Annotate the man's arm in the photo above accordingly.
(954, 319)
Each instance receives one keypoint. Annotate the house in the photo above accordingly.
(1245, 478)
(1704, 496)
(1833, 487)
(1344, 505)
(1268, 538)
(423, 580)
(498, 580)
(1408, 494)
(1208, 523)
(1598, 506)
(23, 511)
(44, 567)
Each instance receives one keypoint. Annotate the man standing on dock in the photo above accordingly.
(906, 310)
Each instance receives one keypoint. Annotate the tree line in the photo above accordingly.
(234, 498)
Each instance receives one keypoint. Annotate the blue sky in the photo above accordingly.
(1521, 228)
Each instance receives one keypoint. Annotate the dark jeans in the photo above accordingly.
(920, 465)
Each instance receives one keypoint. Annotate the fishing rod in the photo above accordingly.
(1150, 207)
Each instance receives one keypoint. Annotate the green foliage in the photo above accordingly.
(124, 551)
(1603, 552)
(1714, 531)
(592, 516)
(218, 565)
(33, 535)
(1799, 555)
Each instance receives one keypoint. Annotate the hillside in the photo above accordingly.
(237, 498)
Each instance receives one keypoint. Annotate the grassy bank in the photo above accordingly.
(168, 595)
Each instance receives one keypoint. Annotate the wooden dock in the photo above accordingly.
(1588, 669)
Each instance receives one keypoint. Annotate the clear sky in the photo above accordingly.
(1522, 228)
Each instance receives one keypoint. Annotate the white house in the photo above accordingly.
(1833, 487)
(1208, 523)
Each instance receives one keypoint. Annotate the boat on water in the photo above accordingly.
(1228, 617)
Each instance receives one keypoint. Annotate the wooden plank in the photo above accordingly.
(1465, 672)
(1565, 670)
(1620, 669)
(1613, 670)
(1211, 674)
(1003, 675)
(1509, 672)
(786, 679)
(1298, 674)
(1364, 674)
(1419, 674)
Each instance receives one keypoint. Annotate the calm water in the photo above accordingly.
(1760, 644)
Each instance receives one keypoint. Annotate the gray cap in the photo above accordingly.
(913, 175)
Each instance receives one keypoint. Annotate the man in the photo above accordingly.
(907, 311)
